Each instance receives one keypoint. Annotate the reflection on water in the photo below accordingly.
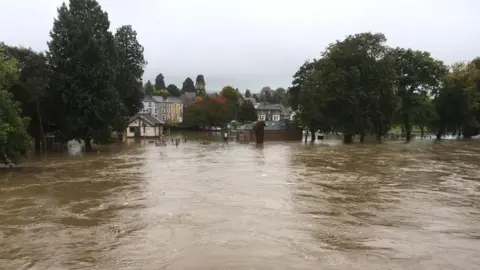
(238, 206)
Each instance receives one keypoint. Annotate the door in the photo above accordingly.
(137, 132)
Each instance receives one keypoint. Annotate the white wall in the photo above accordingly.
(149, 131)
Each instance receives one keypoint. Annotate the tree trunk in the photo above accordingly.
(88, 145)
(306, 135)
(347, 138)
(422, 131)
(362, 137)
(38, 149)
(408, 127)
(40, 127)
(312, 133)
(378, 136)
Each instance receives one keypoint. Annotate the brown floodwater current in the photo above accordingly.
(238, 206)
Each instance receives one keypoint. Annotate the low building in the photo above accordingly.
(144, 125)
(269, 112)
(282, 130)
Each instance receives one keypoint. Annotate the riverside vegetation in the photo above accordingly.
(89, 82)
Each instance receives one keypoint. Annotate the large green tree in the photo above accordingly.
(14, 139)
(131, 64)
(349, 90)
(188, 86)
(417, 72)
(160, 82)
(31, 91)
(247, 112)
(173, 90)
(149, 88)
(84, 63)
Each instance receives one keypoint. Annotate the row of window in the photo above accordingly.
(263, 117)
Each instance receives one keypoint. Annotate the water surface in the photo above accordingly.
(238, 206)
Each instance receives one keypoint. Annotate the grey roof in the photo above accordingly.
(167, 99)
(147, 117)
(264, 106)
(148, 99)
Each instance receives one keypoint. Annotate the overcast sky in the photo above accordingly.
(251, 44)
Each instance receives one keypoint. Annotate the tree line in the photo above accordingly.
(219, 109)
(359, 86)
(85, 86)
(188, 86)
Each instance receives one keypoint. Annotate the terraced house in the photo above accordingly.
(169, 109)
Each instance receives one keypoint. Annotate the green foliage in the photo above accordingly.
(247, 112)
(247, 93)
(84, 61)
(149, 88)
(14, 139)
(160, 82)
(173, 90)
(230, 94)
(208, 111)
(163, 93)
(188, 86)
(131, 64)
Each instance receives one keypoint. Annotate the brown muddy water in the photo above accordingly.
(238, 206)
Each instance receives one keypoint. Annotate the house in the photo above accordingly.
(144, 125)
(149, 106)
(269, 112)
(188, 98)
(170, 109)
(282, 130)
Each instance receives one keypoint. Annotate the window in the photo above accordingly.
(276, 117)
(261, 117)
(131, 129)
(155, 110)
(149, 104)
(163, 110)
(163, 117)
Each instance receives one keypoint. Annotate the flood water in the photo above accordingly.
(238, 206)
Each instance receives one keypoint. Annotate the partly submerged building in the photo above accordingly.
(282, 130)
(144, 125)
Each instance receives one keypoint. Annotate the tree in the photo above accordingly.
(266, 94)
(84, 63)
(164, 93)
(173, 90)
(130, 71)
(457, 102)
(200, 85)
(230, 94)
(247, 93)
(247, 112)
(149, 88)
(256, 97)
(417, 72)
(30, 91)
(349, 90)
(280, 96)
(208, 111)
(188, 86)
(159, 82)
(14, 139)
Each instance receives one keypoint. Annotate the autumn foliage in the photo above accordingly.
(214, 111)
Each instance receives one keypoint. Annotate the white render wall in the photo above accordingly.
(149, 131)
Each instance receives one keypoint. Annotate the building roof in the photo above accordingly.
(167, 99)
(148, 118)
(148, 99)
(266, 106)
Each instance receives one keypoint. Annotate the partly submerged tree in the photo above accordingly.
(84, 63)
(14, 139)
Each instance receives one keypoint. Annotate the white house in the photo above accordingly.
(144, 125)
(150, 106)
